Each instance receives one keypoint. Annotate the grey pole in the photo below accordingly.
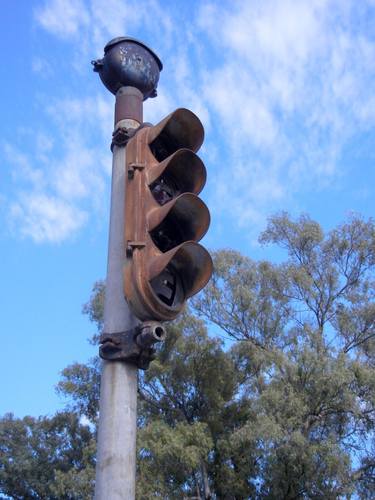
(116, 448)
(130, 70)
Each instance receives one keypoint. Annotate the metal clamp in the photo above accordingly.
(121, 136)
(131, 245)
(134, 346)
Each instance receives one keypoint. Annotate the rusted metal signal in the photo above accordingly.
(165, 218)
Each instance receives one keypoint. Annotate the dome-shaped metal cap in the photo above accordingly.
(129, 62)
(120, 39)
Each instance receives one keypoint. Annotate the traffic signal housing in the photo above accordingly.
(165, 219)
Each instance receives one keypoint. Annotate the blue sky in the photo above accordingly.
(285, 90)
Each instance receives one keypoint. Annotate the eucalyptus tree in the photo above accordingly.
(264, 389)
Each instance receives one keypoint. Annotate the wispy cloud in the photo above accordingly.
(41, 67)
(46, 218)
(282, 88)
(63, 18)
(295, 82)
(59, 183)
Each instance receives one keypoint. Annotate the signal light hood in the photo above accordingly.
(185, 167)
(188, 210)
(180, 129)
(190, 260)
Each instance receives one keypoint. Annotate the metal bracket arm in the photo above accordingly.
(131, 245)
(134, 346)
(134, 166)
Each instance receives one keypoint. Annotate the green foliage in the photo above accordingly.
(80, 383)
(309, 329)
(245, 299)
(94, 308)
(190, 403)
(280, 404)
(49, 458)
(170, 456)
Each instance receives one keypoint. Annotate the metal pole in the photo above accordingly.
(116, 448)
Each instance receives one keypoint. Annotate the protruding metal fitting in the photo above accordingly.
(151, 332)
(133, 346)
(98, 65)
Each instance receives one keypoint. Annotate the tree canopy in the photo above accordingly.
(264, 387)
(46, 457)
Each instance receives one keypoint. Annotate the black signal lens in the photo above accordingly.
(168, 287)
(164, 189)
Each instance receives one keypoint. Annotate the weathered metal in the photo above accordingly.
(116, 445)
(165, 218)
(129, 62)
(130, 70)
(150, 332)
(128, 115)
(134, 346)
(128, 105)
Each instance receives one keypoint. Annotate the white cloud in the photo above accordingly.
(75, 176)
(63, 18)
(281, 86)
(60, 182)
(155, 109)
(44, 143)
(291, 86)
(41, 67)
(91, 24)
(21, 167)
(44, 218)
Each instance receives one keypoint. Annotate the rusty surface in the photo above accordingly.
(129, 105)
(164, 177)
(150, 333)
(134, 346)
(121, 136)
(184, 165)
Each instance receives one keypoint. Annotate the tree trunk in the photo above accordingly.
(207, 490)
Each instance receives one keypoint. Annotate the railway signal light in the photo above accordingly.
(165, 218)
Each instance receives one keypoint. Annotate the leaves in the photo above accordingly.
(245, 299)
(81, 383)
(264, 389)
(43, 457)
(170, 455)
